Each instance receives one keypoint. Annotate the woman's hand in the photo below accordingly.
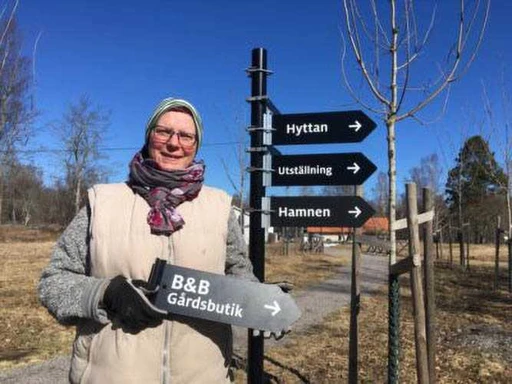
(127, 305)
(286, 287)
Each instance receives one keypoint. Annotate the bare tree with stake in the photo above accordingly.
(386, 50)
(387, 43)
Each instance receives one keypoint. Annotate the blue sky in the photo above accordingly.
(128, 55)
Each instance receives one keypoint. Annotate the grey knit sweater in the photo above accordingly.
(71, 294)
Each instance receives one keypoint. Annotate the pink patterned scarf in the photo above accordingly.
(164, 191)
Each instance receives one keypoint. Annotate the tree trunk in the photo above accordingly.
(77, 194)
(1, 193)
(393, 323)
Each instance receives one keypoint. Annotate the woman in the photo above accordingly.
(108, 249)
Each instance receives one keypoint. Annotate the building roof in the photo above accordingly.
(374, 224)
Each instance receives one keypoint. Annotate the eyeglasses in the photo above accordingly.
(163, 134)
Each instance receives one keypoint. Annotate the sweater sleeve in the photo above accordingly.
(238, 263)
(65, 287)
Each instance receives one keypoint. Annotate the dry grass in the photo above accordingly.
(302, 270)
(479, 254)
(19, 233)
(474, 337)
(27, 332)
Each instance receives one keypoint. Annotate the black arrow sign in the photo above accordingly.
(321, 128)
(325, 169)
(303, 211)
(223, 299)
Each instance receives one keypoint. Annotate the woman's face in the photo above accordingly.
(170, 151)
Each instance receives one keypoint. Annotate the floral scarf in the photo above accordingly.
(164, 191)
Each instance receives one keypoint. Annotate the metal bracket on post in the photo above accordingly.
(265, 213)
(266, 170)
(267, 173)
(267, 124)
(251, 70)
(250, 99)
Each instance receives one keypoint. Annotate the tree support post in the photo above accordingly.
(497, 254)
(355, 301)
(417, 286)
(451, 244)
(430, 306)
(460, 238)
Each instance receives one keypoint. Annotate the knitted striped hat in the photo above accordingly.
(169, 104)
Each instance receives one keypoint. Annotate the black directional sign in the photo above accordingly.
(223, 299)
(325, 169)
(303, 211)
(321, 128)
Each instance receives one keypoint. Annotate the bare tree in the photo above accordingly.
(25, 186)
(16, 104)
(380, 194)
(428, 175)
(387, 48)
(81, 131)
(238, 177)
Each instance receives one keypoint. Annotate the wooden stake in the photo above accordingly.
(355, 301)
(430, 306)
(416, 286)
(441, 242)
(451, 245)
(497, 257)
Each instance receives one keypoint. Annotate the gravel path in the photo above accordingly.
(315, 303)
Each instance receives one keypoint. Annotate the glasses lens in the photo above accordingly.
(185, 139)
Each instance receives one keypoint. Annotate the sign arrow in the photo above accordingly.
(356, 212)
(325, 211)
(321, 127)
(275, 308)
(224, 299)
(354, 168)
(357, 126)
(325, 169)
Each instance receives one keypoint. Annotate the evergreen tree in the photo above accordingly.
(473, 185)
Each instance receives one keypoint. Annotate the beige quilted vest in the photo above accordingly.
(179, 351)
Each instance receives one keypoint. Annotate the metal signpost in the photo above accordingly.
(270, 168)
(258, 73)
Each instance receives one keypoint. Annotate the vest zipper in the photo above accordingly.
(166, 367)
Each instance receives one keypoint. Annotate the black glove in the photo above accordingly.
(126, 302)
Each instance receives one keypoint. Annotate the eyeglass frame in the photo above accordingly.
(171, 132)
